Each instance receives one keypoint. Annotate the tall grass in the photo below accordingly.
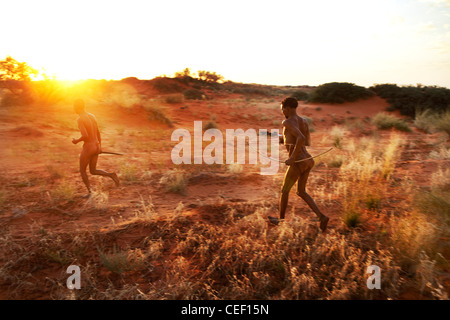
(435, 201)
(432, 122)
(364, 177)
(385, 121)
(337, 134)
(120, 261)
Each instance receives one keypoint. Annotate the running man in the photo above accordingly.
(92, 146)
(296, 137)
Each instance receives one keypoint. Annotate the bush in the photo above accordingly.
(300, 95)
(411, 100)
(166, 85)
(443, 124)
(156, 113)
(336, 92)
(210, 125)
(426, 121)
(385, 121)
(193, 94)
(431, 122)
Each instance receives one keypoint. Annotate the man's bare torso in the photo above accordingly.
(290, 139)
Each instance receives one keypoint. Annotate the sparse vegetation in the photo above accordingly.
(157, 113)
(174, 181)
(129, 173)
(337, 134)
(63, 191)
(120, 261)
(385, 121)
(175, 98)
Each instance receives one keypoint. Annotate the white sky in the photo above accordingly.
(278, 42)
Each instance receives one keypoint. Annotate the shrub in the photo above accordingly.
(385, 121)
(336, 92)
(156, 113)
(443, 123)
(209, 76)
(300, 95)
(426, 121)
(410, 100)
(193, 94)
(119, 261)
(166, 85)
(352, 218)
(210, 125)
(431, 122)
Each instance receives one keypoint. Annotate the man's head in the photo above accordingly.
(288, 106)
(78, 106)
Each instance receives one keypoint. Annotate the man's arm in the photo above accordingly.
(299, 143)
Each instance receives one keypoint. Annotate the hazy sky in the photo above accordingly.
(269, 42)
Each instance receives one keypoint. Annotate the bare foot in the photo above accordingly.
(323, 223)
(116, 179)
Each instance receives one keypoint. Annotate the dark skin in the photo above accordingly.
(296, 137)
(92, 146)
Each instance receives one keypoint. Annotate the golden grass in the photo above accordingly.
(365, 175)
(174, 181)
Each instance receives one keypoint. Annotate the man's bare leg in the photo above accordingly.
(290, 178)
(301, 192)
(84, 162)
(94, 171)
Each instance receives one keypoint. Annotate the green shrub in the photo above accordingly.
(300, 95)
(337, 92)
(410, 100)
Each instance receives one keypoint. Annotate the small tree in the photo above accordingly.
(13, 71)
(182, 74)
(210, 76)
